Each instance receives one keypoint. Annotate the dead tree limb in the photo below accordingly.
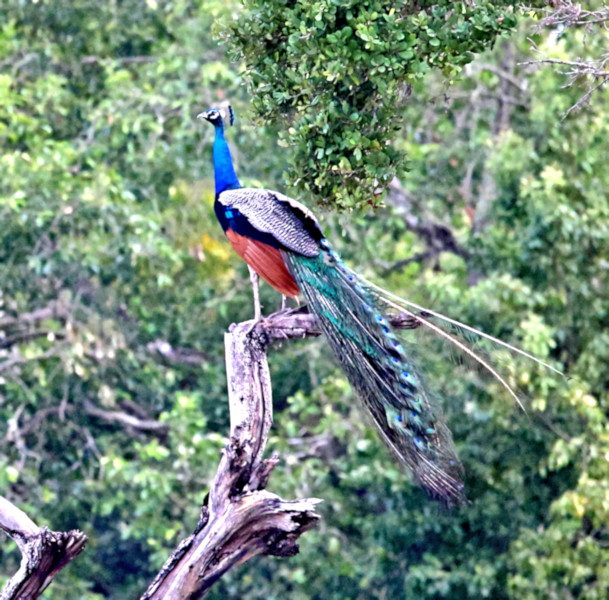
(239, 518)
(593, 70)
(43, 552)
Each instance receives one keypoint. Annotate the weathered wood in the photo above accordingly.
(240, 518)
(44, 552)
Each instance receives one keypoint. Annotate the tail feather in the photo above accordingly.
(402, 304)
(469, 352)
(377, 366)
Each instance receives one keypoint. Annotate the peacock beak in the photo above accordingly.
(203, 115)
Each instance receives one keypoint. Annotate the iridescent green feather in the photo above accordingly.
(351, 317)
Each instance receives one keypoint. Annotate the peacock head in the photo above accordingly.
(216, 115)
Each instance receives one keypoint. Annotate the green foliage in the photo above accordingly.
(525, 193)
(104, 252)
(110, 252)
(339, 74)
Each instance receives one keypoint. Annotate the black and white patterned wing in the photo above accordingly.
(288, 221)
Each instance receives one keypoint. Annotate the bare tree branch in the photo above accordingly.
(176, 356)
(126, 419)
(571, 14)
(55, 310)
(562, 14)
(577, 69)
(44, 552)
(240, 519)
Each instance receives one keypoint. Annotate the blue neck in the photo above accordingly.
(224, 172)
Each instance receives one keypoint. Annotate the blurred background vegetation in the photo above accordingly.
(116, 284)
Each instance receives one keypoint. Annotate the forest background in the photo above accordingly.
(116, 285)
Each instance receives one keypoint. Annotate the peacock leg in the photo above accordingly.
(284, 301)
(257, 308)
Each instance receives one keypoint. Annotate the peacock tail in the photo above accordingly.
(282, 241)
(351, 316)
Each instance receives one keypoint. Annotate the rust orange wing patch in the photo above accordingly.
(266, 261)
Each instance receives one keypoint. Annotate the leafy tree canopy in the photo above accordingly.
(339, 75)
(116, 285)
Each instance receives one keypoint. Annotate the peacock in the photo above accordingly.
(280, 240)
